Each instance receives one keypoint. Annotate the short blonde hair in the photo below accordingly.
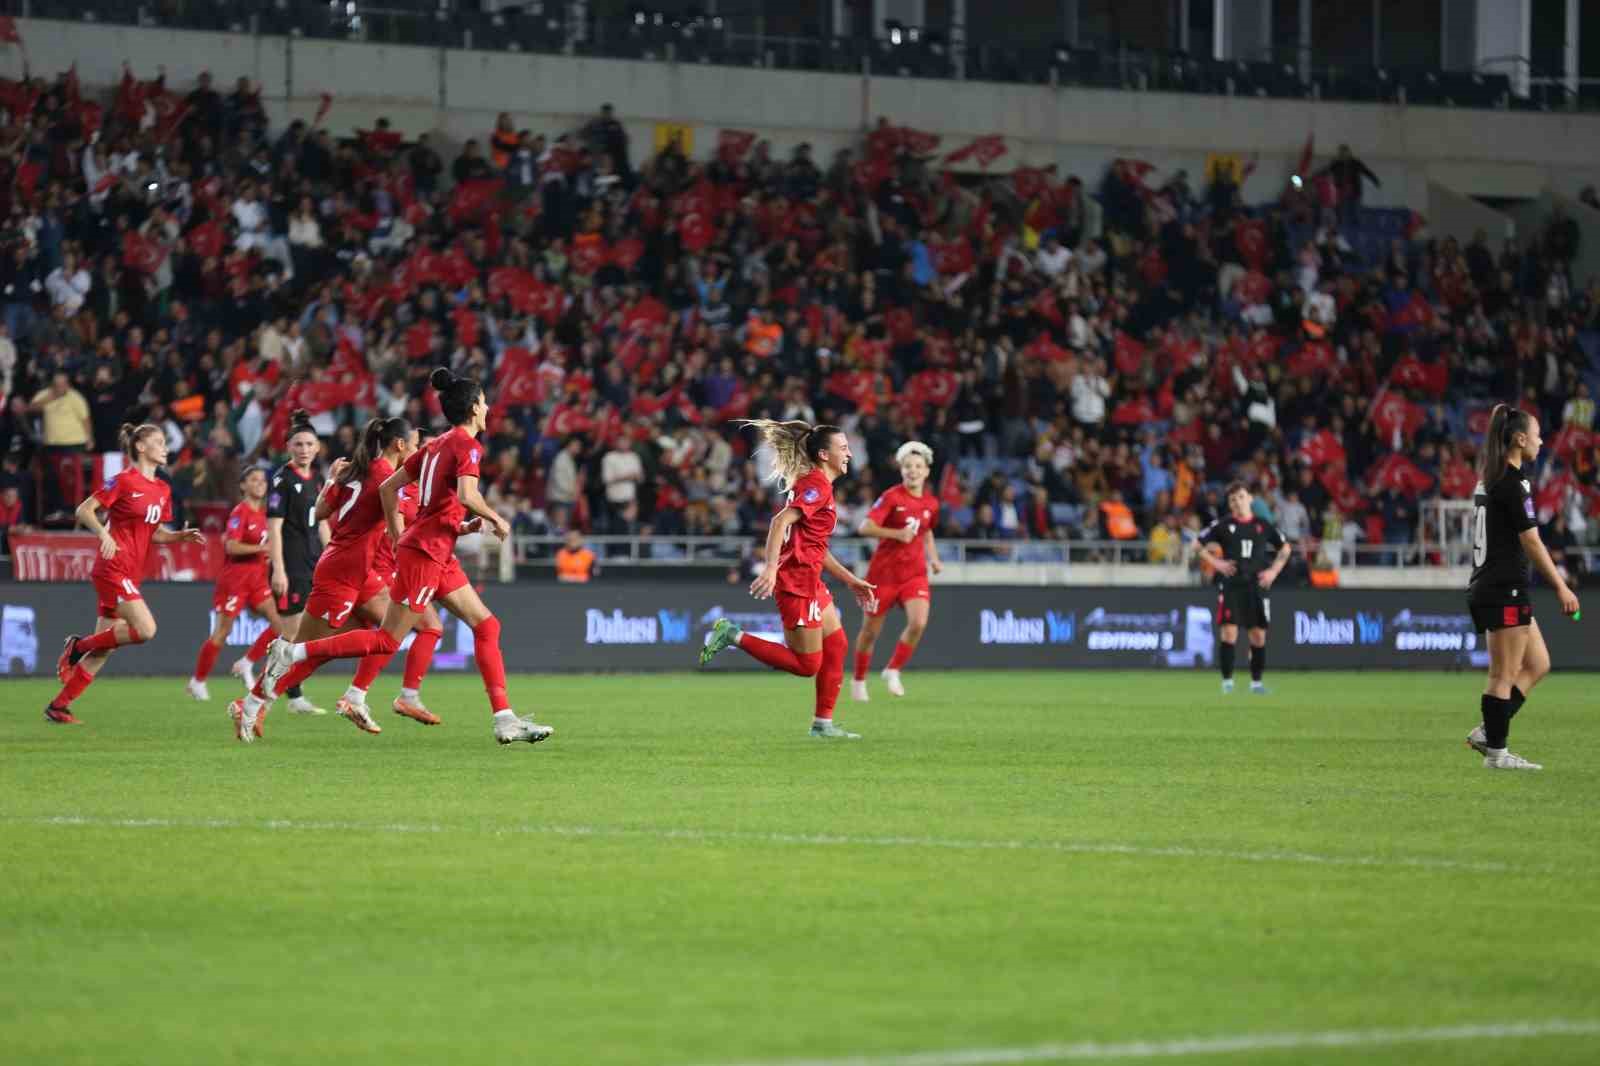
(913, 447)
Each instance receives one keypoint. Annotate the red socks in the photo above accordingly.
(207, 659)
(831, 675)
(420, 657)
(366, 673)
(77, 681)
(863, 663)
(258, 650)
(491, 666)
(352, 645)
(902, 655)
(109, 639)
(780, 657)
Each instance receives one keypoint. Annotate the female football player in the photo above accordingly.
(807, 461)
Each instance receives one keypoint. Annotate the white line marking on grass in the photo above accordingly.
(720, 836)
(1205, 1045)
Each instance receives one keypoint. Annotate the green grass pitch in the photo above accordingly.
(681, 877)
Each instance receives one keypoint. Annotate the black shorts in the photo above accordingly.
(1243, 605)
(294, 601)
(1500, 609)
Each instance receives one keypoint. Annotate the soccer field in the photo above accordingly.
(1018, 867)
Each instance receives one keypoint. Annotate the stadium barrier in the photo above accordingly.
(658, 625)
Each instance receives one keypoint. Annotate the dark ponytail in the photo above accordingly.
(1506, 422)
(300, 422)
(375, 440)
(457, 395)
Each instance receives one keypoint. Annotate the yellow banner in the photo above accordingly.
(1217, 164)
(667, 132)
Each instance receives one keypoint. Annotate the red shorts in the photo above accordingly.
(419, 580)
(333, 598)
(240, 592)
(898, 593)
(803, 612)
(111, 590)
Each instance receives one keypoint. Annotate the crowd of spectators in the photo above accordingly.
(1088, 363)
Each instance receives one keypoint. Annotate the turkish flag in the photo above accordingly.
(1413, 373)
(1134, 412)
(1254, 288)
(950, 494)
(1397, 473)
(953, 257)
(207, 240)
(695, 232)
(1031, 182)
(1128, 354)
(733, 144)
(515, 285)
(983, 151)
(1458, 480)
(934, 388)
(517, 379)
(1570, 440)
(467, 328)
(857, 386)
(1250, 238)
(627, 252)
(471, 200)
(1552, 495)
(140, 253)
(1313, 358)
(419, 339)
(588, 254)
(1393, 413)
(1324, 449)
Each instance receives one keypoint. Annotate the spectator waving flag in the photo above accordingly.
(983, 151)
(1395, 472)
(734, 145)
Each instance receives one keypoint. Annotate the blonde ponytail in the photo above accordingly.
(796, 446)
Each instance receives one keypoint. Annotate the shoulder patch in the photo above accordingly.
(811, 496)
(474, 456)
(1527, 505)
(275, 500)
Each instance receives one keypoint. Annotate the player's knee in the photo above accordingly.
(810, 663)
(487, 630)
(142, 630)
(913, 632)
(217, 640)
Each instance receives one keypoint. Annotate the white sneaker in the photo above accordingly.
(1508, 760)
(245, 671)
(1478, 740)
(1227, 687)
(244, 721)
(358, 714)
(513, 729)
(858, 691)
(197, 690)
(280, 657)
(301, 705)
(891, 679)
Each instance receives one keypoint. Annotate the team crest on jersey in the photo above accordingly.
(276, 501)
(297, 488)
(233, 523)
(1526, 487)
(811, 496)
(474, 455)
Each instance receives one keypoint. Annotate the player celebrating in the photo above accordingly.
(1237, 545)
(808, 460)
(446, 475)
(243, 582)
(136, 503)
(295, 535)
(1505, 535)
(903, 521)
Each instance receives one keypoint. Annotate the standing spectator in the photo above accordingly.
(426, 166)
(564, 483)
(575, 562)
(605, 136)
(1579, 411)
(1090, 390)
(1349, 175)
(621, 470)
(67, 433)
(69, 284)
(470, 164)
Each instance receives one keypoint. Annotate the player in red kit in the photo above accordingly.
(903, 521)
(136, 504)
(446, 476)
(243, 583)
(808, 460)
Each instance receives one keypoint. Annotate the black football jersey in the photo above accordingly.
(1253, 544)
(1500, 514)
(293, 498)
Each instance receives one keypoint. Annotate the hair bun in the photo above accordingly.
(441, 379)
(300, 417)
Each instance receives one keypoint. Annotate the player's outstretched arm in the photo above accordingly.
(163, 535)
(1534, 546)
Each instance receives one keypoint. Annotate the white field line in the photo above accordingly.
(719, 836)
(1206, 1045)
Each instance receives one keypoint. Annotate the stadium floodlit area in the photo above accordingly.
(1018, 867)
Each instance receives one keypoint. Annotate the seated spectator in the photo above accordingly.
(575, 562)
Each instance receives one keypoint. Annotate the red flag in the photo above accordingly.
(140, 253)
(8, 31)
(472, 199)
(1324, 449)
(1303, 168)
(324, 102)
(732, 145)
(1458, 480)
(1398, 473)
(983, 151)
(950, 494)
(918, 142)
(1032, 181)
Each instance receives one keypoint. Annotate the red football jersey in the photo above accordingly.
(439, 512)
(135, 505)
(893, 561)
(248, 525)
(800, 562)
(383, 560)
(356, 521)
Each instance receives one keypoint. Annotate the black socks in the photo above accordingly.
(1225, 658)
(1496, 720)
(1258, 662)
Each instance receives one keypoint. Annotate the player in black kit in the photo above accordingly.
(1505, 535)
(1238, 545)
(294, 536)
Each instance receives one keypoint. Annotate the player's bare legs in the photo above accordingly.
(866, 644)
(213, 645)
(816, 651)
(1228, 637)
(1535, 665)
(1508, 653)
(353, 704)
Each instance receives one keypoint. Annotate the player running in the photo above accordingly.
(295, 536)
(903, 521)
(808, 460)
(242, 584)
(446, 475)
(1505, 535)
(136, 503)
(1237, 545)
